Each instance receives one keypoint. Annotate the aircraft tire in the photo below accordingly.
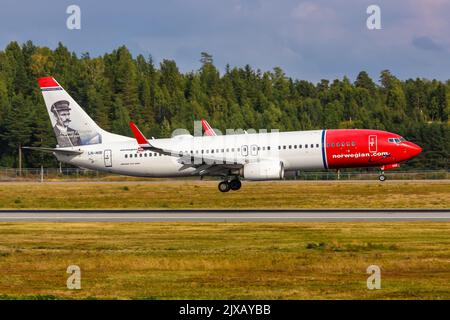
(235, 184)
(224, 186)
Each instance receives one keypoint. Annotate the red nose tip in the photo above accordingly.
(414, 149)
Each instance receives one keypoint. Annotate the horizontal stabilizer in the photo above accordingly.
(57, 150)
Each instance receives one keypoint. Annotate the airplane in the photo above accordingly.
(248, 156)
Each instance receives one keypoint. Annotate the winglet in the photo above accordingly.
(208, 130)
(141, 140)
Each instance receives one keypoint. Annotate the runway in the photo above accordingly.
(301, 215)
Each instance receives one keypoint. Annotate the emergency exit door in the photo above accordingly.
(108, 158)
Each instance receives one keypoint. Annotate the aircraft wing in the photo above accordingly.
(193, 159)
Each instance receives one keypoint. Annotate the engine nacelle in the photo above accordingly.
(263, 170)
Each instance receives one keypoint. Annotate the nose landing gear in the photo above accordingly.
(382, 177)
(227, 185)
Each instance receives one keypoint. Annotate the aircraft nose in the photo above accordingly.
(413, 149)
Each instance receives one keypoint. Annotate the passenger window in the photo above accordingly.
(279, 147)
(290, 146)
(284, 147)
(295, 146)
(312, 146)
(300, 146)
(317, 145)
(212, 151)
(126, 156)
(268, 148)
(338, 144)
(353, 143)
(306, 146)
(135, 155)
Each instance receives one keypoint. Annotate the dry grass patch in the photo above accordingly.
(225, 260)
(204, 194)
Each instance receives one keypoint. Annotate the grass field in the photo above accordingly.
(204, 194)
(225, 260)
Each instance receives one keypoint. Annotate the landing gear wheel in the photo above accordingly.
(235, 184)
(224, 186)
(382, 177)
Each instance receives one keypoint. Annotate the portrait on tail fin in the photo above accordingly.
(65, 135)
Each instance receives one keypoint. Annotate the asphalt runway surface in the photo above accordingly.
(301, 215)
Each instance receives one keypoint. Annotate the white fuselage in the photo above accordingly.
(296, 150)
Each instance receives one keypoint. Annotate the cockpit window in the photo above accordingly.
(396, 140)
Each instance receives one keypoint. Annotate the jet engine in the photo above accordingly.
(263, 170)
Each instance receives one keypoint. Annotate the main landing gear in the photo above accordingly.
(227, 185)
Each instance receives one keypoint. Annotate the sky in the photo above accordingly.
(310, 40)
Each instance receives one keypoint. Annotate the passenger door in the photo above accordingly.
(254, 150)
(244, 150)
(108, 158)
